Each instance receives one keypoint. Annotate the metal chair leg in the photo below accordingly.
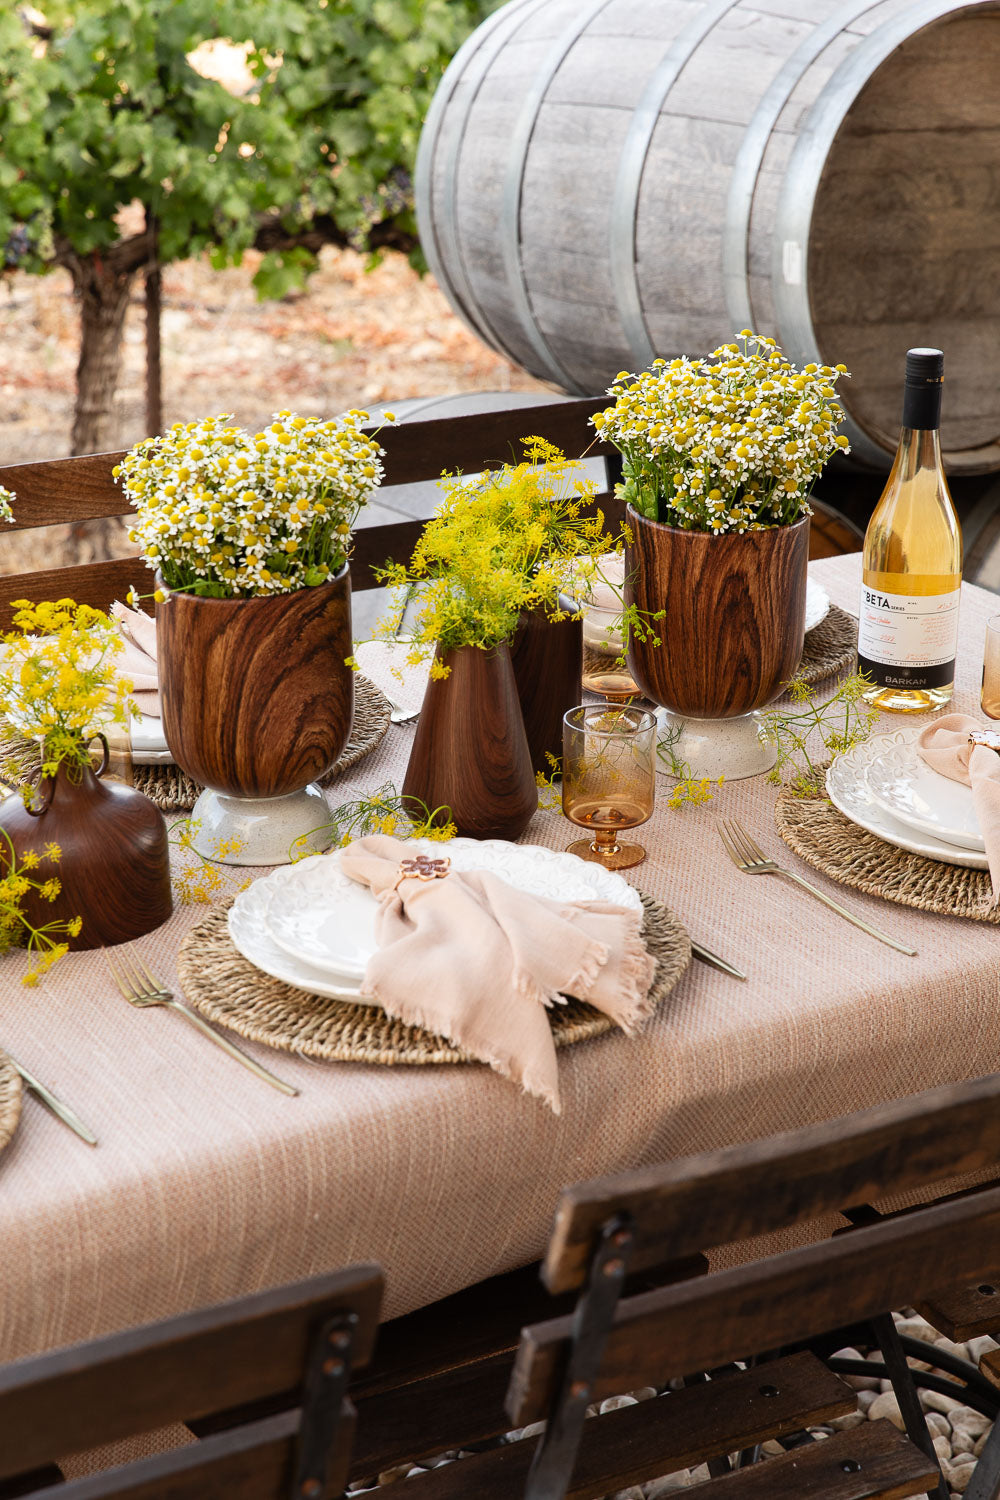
(907, 1399)
(985, 1481)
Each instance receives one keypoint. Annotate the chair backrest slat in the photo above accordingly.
(186, 1367)
(253, 1463)
(733, 1194)
(83, 488)
(98, 584)
(488, 439)
(56, 490)
(80, 489)
(702, 1324)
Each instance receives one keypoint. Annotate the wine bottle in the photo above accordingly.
(912, 561)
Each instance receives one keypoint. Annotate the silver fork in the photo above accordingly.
(141, 988)
(402, 715)
(751, 859)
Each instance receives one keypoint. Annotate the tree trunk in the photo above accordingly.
(104, 292)
(154, 369)
(103, 287)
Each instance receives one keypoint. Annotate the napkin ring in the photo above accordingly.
(988, 737)
(422, 867)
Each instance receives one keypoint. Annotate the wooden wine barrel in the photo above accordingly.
(603, 181)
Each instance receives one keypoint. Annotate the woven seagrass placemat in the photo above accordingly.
(173, 790)
(829, 842)
(829, 649)
(225, 987)
(11, 1091)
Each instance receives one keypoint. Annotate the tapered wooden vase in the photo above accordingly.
(257, 704)
(547, 657)
(113, 866)
(730, 639)
(470, 752)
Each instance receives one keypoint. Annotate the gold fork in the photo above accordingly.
(141, 988)
(751, 859)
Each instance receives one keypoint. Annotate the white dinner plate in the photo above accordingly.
(320, 917)
(920, 797)
(817, 604)
(249, 932)
(850, 793)
(149, 747)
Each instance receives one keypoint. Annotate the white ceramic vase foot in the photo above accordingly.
(261, 830)
(731, 748)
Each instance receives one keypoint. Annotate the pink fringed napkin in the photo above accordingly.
(138, 661)
(945, 747)
(471, 959)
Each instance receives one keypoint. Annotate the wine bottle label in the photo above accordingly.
(908, 640)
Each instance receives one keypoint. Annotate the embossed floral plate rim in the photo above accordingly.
(324, 922)
(848, 790)
(920, 797)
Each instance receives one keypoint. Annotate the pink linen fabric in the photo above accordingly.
(138, 661)
(945, 747)
(207, 1184)
(471, 958)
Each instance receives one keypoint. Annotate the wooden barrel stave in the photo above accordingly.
(764, 103)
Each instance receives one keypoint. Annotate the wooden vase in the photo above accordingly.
(735, 615)
(470, 752)
(113, 868)
(257, 698)
(547, 658)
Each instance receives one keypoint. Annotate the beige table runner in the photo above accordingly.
(208, 1185)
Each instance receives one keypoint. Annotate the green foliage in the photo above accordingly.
(688, 787)
(836, 724)
(383, 811)
(109, 111)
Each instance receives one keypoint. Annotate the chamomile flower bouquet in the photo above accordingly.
(223, 513)
(730, 443)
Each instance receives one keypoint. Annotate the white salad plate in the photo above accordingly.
(250, 934)
(319, 916)
(849, 791)
(921, 798)
(149, 747)
(817, 604)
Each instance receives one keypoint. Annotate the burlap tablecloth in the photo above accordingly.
(207, 1184)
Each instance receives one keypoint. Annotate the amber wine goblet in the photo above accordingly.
(609, 779)
(990, 697)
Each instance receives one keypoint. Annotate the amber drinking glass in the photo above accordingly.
(990, 697)
(609, 779)
(604, 668)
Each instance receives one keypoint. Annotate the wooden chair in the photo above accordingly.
(634, 1308)
(78, 489)
(63, 490)
(267, 1375)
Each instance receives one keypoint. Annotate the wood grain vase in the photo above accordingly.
(114, 868)
(547, 657)
(257, 699)
(735, 615)
(470, 751)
